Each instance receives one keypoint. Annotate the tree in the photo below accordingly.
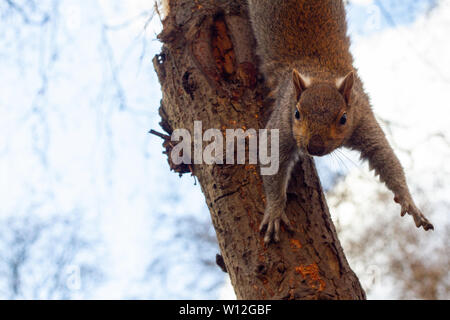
(45, 258)
(209, 72)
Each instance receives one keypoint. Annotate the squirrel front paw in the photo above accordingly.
(271, 224)
(409, 207)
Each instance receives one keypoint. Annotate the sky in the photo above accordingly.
(78, 96)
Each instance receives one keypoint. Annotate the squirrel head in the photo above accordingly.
(323, 115)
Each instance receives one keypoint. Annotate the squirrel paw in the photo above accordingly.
(271, 223)
(408, 207)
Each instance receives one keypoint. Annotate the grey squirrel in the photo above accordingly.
(320, 104)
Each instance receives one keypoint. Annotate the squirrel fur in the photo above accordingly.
(320, 103)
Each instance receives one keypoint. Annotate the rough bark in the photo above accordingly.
(209, 72)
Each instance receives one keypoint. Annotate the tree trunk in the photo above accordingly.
(209, 72)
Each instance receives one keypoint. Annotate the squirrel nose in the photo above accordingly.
(316, 147)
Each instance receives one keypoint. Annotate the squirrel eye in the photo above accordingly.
(297, 114)
(343, 120)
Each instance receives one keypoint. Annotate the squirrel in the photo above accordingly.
(319, 100)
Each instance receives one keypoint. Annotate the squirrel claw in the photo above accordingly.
(419, 219)
(271, 223)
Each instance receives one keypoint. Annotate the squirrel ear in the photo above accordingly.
(300, 83)
(345, 85)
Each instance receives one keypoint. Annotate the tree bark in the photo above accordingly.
(209, 72)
